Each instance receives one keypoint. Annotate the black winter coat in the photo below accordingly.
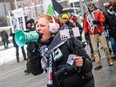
(76, 24)
(76, 78)
(112, 22)
(4, 36)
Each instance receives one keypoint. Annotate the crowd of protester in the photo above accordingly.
(99, 28)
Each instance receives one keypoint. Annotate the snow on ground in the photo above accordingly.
(9, 55)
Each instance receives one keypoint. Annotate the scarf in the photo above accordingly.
(90, 19)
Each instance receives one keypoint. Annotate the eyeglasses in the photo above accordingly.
(91, 5)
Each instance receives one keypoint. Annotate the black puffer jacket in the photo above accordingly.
(112, 22)
(113, 25)
(84, 78)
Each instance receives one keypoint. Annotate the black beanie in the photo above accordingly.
(28, 21)
(89, 3)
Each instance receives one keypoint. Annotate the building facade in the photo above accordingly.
(34, 7)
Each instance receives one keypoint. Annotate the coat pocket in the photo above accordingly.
(87, 76)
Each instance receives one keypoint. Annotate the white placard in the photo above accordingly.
(65, 34)
(17, 20)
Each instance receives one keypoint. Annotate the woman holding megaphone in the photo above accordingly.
(66, 62)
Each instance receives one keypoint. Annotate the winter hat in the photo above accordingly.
(64, 16)
(28, 21)
(90, 3)
(73, 18)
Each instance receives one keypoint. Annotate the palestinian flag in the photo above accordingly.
(51, 7)
(57, 7)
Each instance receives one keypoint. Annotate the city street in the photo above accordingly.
(25, 15)
(12, 75)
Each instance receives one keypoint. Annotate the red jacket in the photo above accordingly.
(98, 15)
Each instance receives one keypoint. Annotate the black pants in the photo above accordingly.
(5, 44)
(23, 52)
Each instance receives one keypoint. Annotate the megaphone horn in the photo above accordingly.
(21, 37)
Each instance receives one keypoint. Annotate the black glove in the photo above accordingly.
(96, 22)
(32, 47)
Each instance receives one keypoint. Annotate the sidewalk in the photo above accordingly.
(105, 77)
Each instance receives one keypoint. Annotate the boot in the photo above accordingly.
(113, 56)
(17, 58)
(98, 65)
(109, 61)
(27, 72)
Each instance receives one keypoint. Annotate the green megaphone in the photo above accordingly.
(21, 37)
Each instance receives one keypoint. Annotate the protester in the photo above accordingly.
(66, 20)
(13, 30)
(77, 74)
(30, 26)
(65, 17)
(71, 22)
(107, 26)
(5, 37)
(93, 25)
(17, 48)
(33, 23)
(77, 25)
(112, 31)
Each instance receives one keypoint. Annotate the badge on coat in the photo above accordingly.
(57, 54)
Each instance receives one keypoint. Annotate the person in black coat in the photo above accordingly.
(30, 26)
(66, 59)
(17, 47)
(111, 17)
(73, 19)
(5, 37)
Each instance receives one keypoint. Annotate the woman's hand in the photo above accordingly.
(78, 61)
